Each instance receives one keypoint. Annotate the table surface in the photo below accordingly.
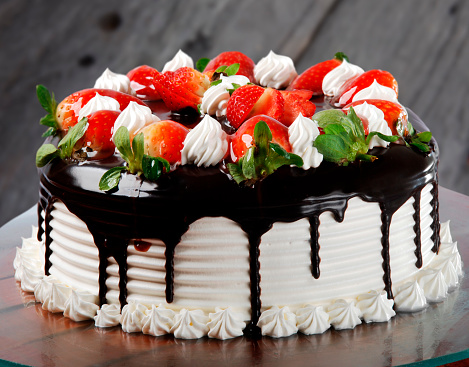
(32, 336)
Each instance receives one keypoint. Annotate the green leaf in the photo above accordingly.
(333, 148)
(282, 157)
(221, 69)
(111, 178)
(249, 164)
(341, 56)
(420, 146)
(48, 120)
(201, 64)
(262, 138)
(122, 142)
(388, 138)
(199, 106)
(49, 132)
(355, 125)
(411, 129)
(232, 69)
(425, 136)
(46, 99)
(74, 134)
(327, 117)
(153, 167)
(138, 147)
(236, 171)
(45, 154)
(215, 82)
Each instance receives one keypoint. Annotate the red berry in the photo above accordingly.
(311, 79)
(362, 81)
(246, 65)
(165, 139)
(68, 110)
(297, 102)
(243, 139)
(394, 114)
(142, 81)
(182, 88)
(241, 103)
(98, 135)
(271, 103)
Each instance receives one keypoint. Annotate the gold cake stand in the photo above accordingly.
(437, 336)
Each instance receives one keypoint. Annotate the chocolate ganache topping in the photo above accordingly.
(140, 209)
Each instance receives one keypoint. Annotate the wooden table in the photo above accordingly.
(32, 336)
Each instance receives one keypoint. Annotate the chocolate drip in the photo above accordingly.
(417, 230)
(436, 219)
(169, 266)
(315, 259)
(48, 239)
(386, 223)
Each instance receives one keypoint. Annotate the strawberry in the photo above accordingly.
(246, 65)
(98, 136)
(353, 86)
(142, 81)
(164, 139)
(297, 102)
(311, 79)
(182, 88)
(68, 110)
(243, 139)
(394, 114)
(251, 100)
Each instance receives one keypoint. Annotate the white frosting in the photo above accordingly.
(275, 71)
(445, 233)
(451, 249)
(301, 134)
(312, 320)
(433, 284)
(44, 288)
(98, 103)
(181, 59)
(54, 301)
(278, 322)
(29, 262)
(344, 314)
(445, 264)
(114, 81)
(158, 320)
(132, 317)
(376, 122)
(376, 91)
(206, 144)
(225, 324)
(81, 306)
(134, 117)
(410, 297)
(190, 324)
(375, 306)
(216, 97)
(338, 76)
(108, 315)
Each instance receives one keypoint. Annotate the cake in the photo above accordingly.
(252, 200)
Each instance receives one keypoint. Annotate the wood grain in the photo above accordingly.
(66, 45)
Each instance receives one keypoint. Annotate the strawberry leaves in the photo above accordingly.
(261, 159)
(137, 162)
(48, 102)
(201, 64)
(344, 138)
(48, 152)
(417, 140)
(224, 70)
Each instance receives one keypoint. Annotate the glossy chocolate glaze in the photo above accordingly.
(139, 209)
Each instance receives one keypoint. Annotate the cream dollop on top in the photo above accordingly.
(206, 144)
(376, 122)
(216, 97)
(302, 133)
(376, 91)
(375, 306)
(81, 306)
(132, 317)
(278, 322)
(312, 320)
(181, 59)
(410, 297)
(190, 324)
(108, 315)
(275, 71)
(225, 324)
(98, 103)
(134, 117)
(158, 320)
(344, 315)
(114, 81)
(433, 284)
(337, 77)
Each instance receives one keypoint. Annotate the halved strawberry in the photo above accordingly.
(297, 102)
(251, 100)
(311, 79)
(246, 65)
(98, 136)
(353, 86)
(243, 139)
(394, 114)
(165, 139)
(182, 88)
(68, 110)
(142, 81)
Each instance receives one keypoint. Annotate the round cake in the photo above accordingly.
(236, 199)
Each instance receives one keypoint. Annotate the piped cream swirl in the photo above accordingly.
(376, 122)
(338, 76)
(114, 81)
(275, 71)
(181, 59)
(376, 91)
(302, 133)
(98, 103)
(134, 118)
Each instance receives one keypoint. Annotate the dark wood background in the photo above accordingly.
(66, 45)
